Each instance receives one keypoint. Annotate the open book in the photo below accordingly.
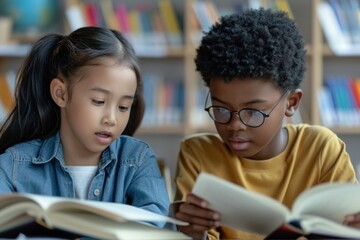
(317, 212)
(37, 215)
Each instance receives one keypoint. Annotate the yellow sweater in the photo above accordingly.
(313, 155)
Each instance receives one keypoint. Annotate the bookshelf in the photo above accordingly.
(175, 62)
(325, 63)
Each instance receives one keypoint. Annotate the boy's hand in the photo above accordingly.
(194, 211)
(352, 220)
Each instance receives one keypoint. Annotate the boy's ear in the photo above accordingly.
(58, 92)
(293, 101)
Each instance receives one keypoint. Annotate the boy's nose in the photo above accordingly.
(235, 123)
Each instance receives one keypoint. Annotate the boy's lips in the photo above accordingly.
(239, 144)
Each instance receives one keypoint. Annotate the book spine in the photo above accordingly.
(121, 14)
(108, 13)
(326, 106)
(171, 23)
(344, 101)
(284, 5)
(75, 15)
(333, 31)
(203, 15)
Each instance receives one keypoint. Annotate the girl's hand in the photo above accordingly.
(352, 220)
(194, 211)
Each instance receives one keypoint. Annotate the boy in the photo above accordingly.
(253, 64)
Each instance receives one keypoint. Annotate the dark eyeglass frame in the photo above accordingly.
(232, 113)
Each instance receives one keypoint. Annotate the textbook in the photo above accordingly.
(37, 215)
(317, 212)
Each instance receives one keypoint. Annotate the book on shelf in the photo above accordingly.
(317, 212)
(75, 14)
(328, 114)
(43, 216)
(121, 13)
(283, 5)
(353, 100)
(91, 13)
(276, 5)
(355, 87)
(164, 99)
(159, 36)
(338, 22)
(7, 90)
(152, 29)
(206, 14)
(351, 10)
(344, 102)
(108, 12)
(171, 23)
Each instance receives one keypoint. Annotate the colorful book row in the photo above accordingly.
(340, 22)
(152, 28)
(339, 102)
(206, 12)
(164, 100)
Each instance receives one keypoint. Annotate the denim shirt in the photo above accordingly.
(128, 173)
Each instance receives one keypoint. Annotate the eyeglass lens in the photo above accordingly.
(250, 117)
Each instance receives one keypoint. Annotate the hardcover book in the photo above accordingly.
(46, 216)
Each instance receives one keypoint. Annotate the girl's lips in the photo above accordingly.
(103, 137)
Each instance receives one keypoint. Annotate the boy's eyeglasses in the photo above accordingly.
(250, 117)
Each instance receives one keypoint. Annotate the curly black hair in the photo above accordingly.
(257, 43)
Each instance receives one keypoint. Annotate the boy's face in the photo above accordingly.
(258, 143)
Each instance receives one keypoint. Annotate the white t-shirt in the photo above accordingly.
(82, 177)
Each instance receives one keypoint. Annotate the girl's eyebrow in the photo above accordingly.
(102, 90)
(99, 89)
(254, 101)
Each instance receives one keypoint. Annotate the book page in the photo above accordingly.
(114, 211)
(329, 200)
(82, 216)
(18, 214)
(240, 208)
(17, 209)
(314, 225)
(104, 228)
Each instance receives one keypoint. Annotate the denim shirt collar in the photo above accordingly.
(52, 149)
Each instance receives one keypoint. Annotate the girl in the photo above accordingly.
(63, 137)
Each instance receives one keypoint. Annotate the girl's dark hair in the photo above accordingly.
(136, 115)
(35, 114)
(258, 43)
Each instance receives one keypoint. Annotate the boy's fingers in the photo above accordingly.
(197, 211)
(193, 199)
(197, 224)
(352, 220)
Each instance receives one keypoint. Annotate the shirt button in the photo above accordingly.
(96, 192)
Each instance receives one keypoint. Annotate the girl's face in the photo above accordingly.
(258, 143)
(97, 112)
